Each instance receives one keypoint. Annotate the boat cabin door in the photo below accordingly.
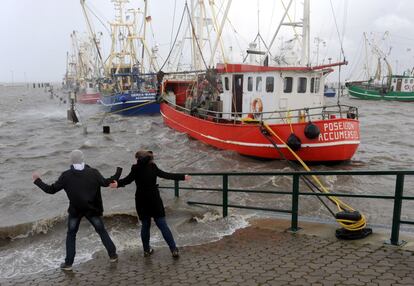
(237, 89)
(399, 83)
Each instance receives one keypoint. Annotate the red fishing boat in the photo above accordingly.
(288, 100)
(275, 112)
(89, 94)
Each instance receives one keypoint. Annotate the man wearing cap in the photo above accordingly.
(82, 185)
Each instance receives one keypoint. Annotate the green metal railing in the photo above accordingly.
(398, 196)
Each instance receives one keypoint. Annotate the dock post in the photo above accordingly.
(396, 217)
(295, 203)
(176, 189)
(225, 194)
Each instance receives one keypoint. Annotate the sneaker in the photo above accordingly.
(113, 258)
(175, 253)
(66, 267)
(149, 252)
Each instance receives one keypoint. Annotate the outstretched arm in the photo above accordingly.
(127, 180)
(169, 176)
(50, 189)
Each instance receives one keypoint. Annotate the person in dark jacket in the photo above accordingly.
(148, 201)
(82, 185)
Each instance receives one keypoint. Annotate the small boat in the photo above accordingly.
(399, 87)
(127, 89)
(137, 96)
(394, 87)
(329, 92)
(89, 94)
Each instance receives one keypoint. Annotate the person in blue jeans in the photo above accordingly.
(82, 185)
(148, 201)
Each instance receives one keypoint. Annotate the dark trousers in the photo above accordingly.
(163, 227)
(73, 227)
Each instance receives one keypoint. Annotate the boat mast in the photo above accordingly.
(144, 35)
(219, 31)
(93, 34)
(305, 34)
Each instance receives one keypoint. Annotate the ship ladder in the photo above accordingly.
(353, 223)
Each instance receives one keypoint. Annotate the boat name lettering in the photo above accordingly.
(335, 126)
(338, 135)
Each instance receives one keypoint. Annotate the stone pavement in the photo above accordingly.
(261, 254)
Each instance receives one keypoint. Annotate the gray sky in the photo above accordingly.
(36, 33)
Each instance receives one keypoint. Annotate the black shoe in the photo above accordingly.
(175, 253)
(113, 258)
(149, 252)
(66, 267)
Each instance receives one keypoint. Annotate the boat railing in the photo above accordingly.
(224, 178)
(283, 116)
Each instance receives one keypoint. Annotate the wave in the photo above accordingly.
(43, 226)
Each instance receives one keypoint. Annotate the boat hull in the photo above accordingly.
(132, 104)
(338, 140)
(373, 94)
(89, 98)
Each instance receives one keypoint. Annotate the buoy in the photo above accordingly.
(312, 131)
(294, 142)
(106, 129)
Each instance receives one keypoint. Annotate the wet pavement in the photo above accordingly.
(262, 254)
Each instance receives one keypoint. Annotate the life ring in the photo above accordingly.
(406, 87)
(257, 105)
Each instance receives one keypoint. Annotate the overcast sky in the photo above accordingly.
(36, 33)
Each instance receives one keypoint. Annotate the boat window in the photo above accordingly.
(259, 83)
(317, 84)
(406, 81)
(394, 80)
(226, 83)
(312, 87)
(302, 85)
(250, 83)
(270, 82)
(287, 84)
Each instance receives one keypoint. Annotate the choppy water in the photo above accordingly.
(35, 135)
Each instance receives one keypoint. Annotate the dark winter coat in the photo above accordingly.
(83, 189)
(147, 196)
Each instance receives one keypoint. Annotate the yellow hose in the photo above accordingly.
(347, 224)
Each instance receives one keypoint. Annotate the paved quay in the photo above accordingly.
(261, 254)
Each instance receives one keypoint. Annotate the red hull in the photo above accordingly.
(89, 98)
(338, 141)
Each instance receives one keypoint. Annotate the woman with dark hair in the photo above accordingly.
(148, 202)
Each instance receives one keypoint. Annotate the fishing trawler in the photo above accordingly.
(130, 90)
(399, 87)
(275, 112)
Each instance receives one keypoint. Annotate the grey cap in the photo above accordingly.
(76, 157)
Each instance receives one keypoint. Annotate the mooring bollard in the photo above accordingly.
(106, 129)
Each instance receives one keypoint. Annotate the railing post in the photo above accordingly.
(225, 194)
(396, 217)
(295, 203)
(176, 189)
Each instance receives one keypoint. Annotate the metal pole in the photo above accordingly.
(176, 188)
(295, 203)
(225, 194)
(399, 186)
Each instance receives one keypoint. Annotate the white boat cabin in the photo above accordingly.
(251, 90)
